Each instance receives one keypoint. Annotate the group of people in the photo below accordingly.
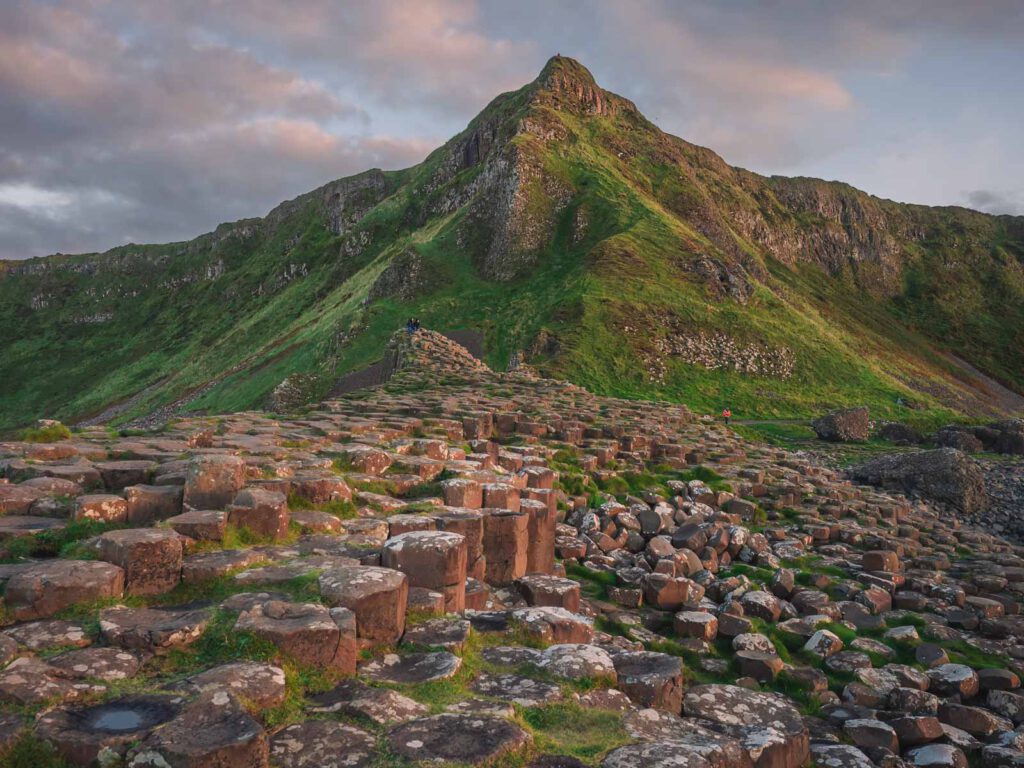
(412, 325)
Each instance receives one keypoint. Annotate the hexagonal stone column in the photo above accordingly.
(431, 559)
(101, 507)
(148, 503)
(213, 480)
(505, 543)
(265, 513)
(502, 496)
(151, 558)
(470, 523)
(463, 492)
(546, 590)
(378, 597)
(47, 588)
(310, 633)
(540, 536)
(650, 679)
(119, 474)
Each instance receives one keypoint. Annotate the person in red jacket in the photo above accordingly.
(727, 415)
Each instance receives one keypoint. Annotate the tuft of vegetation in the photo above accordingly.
(49, 433)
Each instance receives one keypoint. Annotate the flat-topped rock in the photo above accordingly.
(119, 474)
(450, 634)
(378, 597)
(262, 685)
(19, 526)
(578, 662)
(554, 625)
(465, 739)
(151, 558)
(265, 513)
(200, 524)
(661, 726)
(411, 668)
(308, 632)
(657, 754)
(157, 630)
(151, 503)
(315, 521)
(18, 499)
(382, 705)
(49, 587)
(213, 480)
(49, 634)
(433, 560)
(31, 682)
(80, 734)
(650, 679)
(552, 591)
(204, 566)
(213, 730)
(322, 744)
(768, 725)
(98, 663)
(101, 507)
(516, 689)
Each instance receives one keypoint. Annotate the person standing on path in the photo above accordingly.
(727, 415)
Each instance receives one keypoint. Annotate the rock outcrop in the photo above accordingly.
(944, 475)
(844, 426)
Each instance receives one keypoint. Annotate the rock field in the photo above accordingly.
(463, 567)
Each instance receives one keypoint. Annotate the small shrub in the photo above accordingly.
(50, 433)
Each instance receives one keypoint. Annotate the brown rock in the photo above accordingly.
(151, 558)
(49, 587)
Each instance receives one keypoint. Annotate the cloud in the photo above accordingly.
(989, 201)
(150, 121)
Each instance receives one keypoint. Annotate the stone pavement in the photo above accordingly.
(461, 566)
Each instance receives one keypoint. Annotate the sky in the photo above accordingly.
(153, 121)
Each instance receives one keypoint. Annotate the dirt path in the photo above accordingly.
(1001, 397)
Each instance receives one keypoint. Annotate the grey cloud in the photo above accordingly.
(163, 119)
(989, 201)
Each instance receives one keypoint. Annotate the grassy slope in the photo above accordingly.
(644, 196)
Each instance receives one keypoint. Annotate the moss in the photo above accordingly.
(63, 542)
(570, 729)
(30, 752)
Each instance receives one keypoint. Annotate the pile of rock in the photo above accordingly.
(284, 591)
(844, 426)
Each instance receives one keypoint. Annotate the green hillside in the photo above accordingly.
(564, 226)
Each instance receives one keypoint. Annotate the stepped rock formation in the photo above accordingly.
(576, 238)
(459, 566)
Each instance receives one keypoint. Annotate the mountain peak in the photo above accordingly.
(565, 83)
(566, 68)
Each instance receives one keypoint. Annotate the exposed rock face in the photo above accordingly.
(844, 426)
(944, 474)
(405, 277)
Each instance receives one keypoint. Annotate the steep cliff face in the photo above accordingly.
(560, 222)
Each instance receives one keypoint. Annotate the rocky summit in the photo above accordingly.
(463, 567)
